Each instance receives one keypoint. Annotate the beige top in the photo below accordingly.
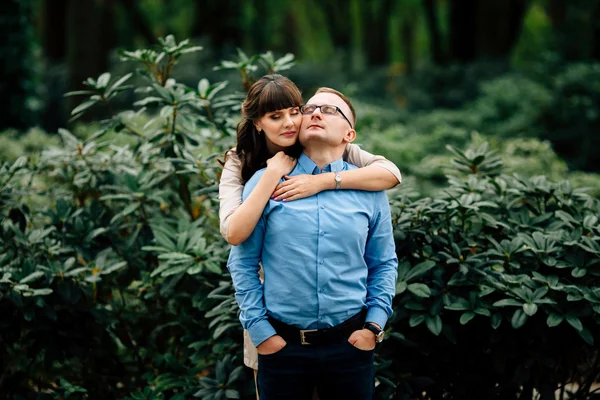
(231, 185)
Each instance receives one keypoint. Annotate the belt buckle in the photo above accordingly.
(303, 338)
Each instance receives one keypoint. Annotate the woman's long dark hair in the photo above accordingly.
(270, 93)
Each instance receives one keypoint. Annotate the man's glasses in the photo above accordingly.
(308, 109)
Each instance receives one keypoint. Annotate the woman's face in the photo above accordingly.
(280, 128)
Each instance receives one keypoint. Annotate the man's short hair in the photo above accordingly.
(341, 96)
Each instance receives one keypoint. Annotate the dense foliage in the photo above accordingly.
(110, 255)
(498, 295)
(113, 281)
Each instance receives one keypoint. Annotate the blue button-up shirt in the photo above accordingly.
(325, 258)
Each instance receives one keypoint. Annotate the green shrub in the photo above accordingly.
(498, 292)
(511, 106)
(15, 144)
(571, 122)
(112, 285)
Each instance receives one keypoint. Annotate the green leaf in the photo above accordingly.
(79, 93)
(586, 335)
(120, 82)
(416, 319)
(459, 305)
(174, 271)
(575, 322)
(235, 375)
(519, 318)
(222, 328)
(434, 324)
(419, 270)
(508, 302)
(530, 308)
(32, 277)
(466, 317)
(554, 320)
(203, 86)
(496, 320)
(419, 290)
(103, 80)
(401, 287)
(83, 106)
(578, 272)
(113, 268)
(175, 256)
(38, 292)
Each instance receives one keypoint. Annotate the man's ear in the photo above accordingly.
(349, 136)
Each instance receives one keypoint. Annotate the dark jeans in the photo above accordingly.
(338, 371)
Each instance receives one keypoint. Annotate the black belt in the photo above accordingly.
(291, 334)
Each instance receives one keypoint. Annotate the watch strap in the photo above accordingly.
(338, 181)
(378, 332)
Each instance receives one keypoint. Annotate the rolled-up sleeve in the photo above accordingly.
(382, 262)
(243, 264)
(361, 158)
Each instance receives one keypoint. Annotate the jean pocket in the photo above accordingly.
(357, 349)
(272, 355)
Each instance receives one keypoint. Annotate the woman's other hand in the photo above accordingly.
(298, 187)
(281, 163)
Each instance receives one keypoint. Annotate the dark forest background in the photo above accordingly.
(407, 56)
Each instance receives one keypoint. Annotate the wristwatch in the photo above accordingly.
(379, 333)
(338, 181)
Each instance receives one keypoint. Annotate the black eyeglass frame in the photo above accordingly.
(325, 105)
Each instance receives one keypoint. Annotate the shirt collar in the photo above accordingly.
(310, 167)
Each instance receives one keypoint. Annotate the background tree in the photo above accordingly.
(18, 102)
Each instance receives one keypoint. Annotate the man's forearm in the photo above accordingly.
(249, 296)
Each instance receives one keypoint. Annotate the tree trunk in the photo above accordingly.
(376, 18)
(220, 20)
(338, 15)
(141, 25)
(437, 54)
(575, 28)
(54, 28)
(408, 40)
(463, 30)
(499, 24)
(87, 54)
(16, 67)
(484, 29)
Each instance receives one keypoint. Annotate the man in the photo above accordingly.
(330, 272)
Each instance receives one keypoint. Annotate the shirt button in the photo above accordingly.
(321, 262)
(322, 233)
(322, 207)
(321, 290)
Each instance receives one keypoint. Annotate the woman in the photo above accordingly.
(267, 137)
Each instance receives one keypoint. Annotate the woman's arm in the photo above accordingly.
(375, 173)
(238, 219)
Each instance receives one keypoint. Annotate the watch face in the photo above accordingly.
(380, 336)
(337, 178)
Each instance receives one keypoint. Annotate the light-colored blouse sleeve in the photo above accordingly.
(356, 156)
(231, 187)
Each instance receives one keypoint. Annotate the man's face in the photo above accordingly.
(331, 129)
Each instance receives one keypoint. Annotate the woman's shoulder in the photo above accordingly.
(231, 157)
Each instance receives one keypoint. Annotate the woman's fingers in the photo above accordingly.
(286, 195)
(282, 188)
